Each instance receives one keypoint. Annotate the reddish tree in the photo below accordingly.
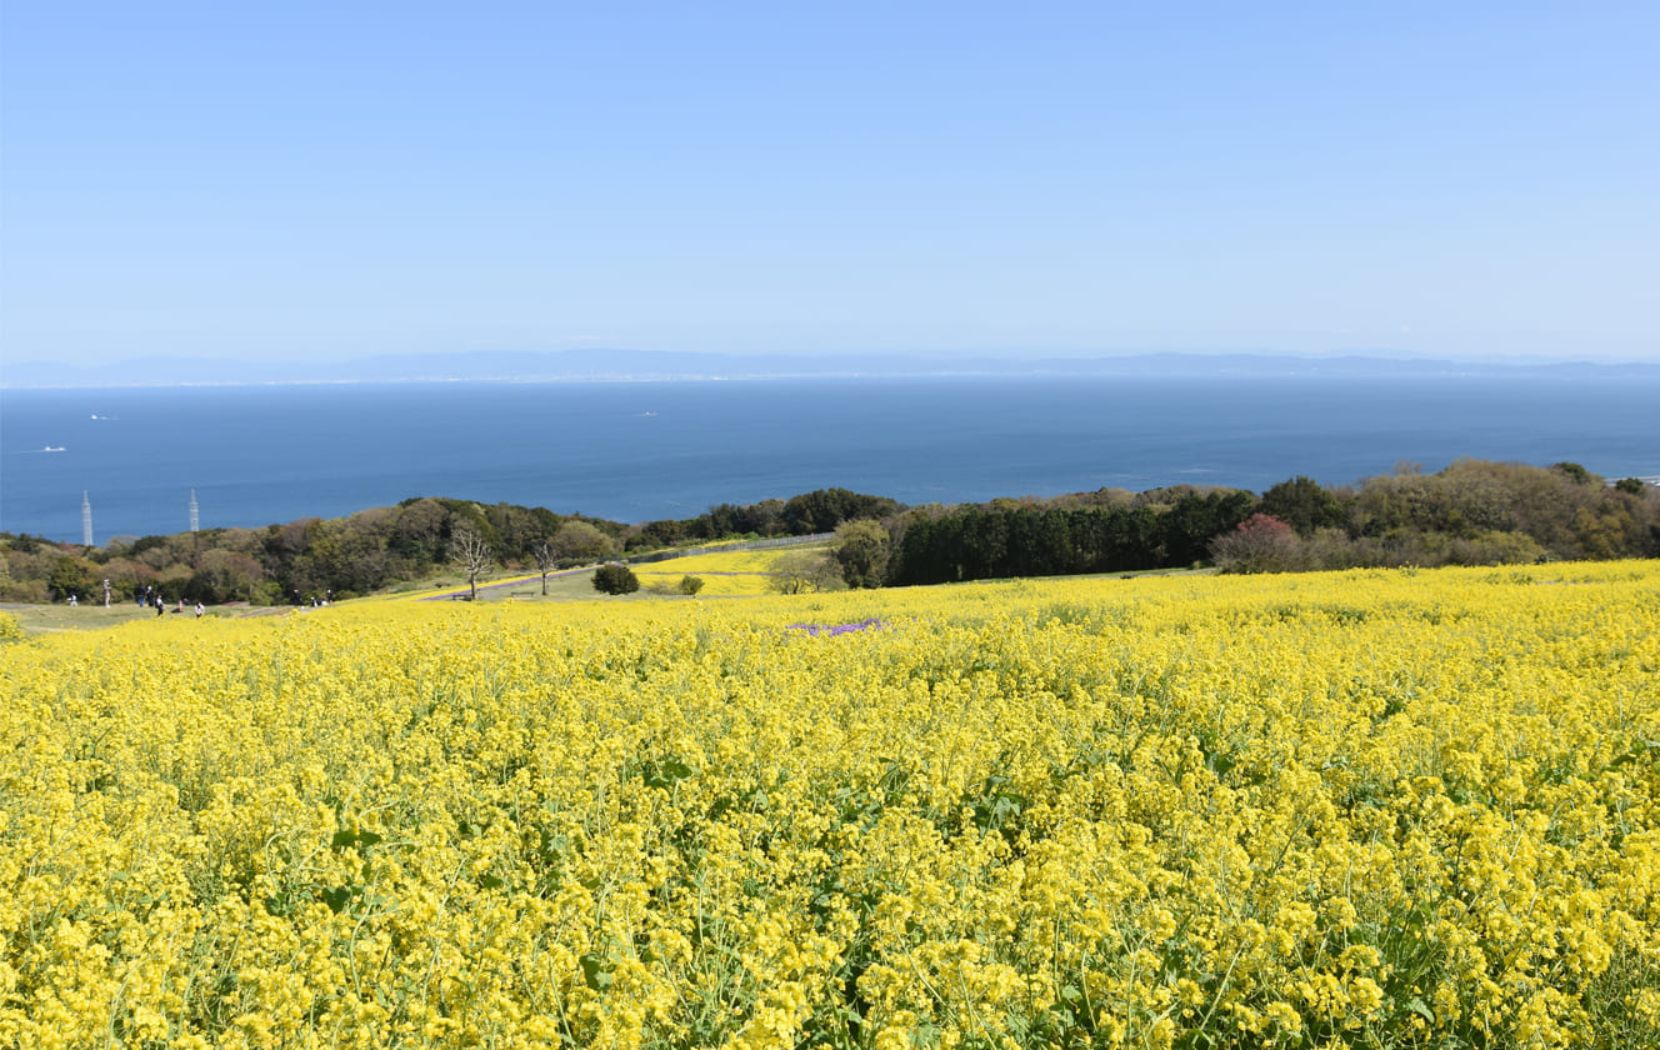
(1261, 543)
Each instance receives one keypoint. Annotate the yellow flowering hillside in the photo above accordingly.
(747, 572)
(1366, 809)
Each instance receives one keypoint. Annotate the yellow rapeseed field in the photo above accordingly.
(1369, 809)
(724, 573)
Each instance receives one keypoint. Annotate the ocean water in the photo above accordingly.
(637, 451)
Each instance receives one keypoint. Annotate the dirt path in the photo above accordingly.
(712, 572)
(647, 563)
(514, 582)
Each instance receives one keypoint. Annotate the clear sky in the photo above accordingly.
(302, 180)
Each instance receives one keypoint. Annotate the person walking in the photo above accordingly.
(161, 606)
(200, 609)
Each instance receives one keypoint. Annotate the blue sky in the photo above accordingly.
(296, 180)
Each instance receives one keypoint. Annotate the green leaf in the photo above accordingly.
(344, 839)
(594, 974)
(338, 898)
(664, 773)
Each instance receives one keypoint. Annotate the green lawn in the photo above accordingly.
(40, 619)
(577, 585)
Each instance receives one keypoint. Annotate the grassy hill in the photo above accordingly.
(1375, 808)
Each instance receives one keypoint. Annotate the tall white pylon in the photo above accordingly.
(195, 517)
(86, 519)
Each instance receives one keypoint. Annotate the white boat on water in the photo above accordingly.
(54, 448)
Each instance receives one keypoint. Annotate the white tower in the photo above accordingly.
(195, 517)
(86, 520)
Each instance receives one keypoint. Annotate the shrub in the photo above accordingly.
(615, 578)
(691, 584)
(24, 591)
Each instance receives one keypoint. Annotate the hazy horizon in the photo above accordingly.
(1001, 353)
(626, 365)
(310, 182)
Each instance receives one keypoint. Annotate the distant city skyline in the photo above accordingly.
(305, 182)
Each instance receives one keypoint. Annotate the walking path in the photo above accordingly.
(648, 560)
(513, 581)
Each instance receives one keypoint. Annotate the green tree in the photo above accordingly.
(417, 533)
(862, 549)
(1304, 504)
(823, 509)
(691, 585)
(1579, 474)
(71, 575)
(223, 576)
(341, 555)
(580, 541)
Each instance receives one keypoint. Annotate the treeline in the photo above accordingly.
(294, 562)
(335, 558)
(1472, 513)
(1159, 529)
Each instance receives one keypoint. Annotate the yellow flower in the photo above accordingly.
(1218, 811)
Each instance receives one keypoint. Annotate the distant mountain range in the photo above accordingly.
(618, 365)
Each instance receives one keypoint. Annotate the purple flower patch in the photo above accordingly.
(833, 629)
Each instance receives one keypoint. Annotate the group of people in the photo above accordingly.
(151, 597)
(148, 598)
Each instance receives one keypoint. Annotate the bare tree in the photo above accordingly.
(805, 572)
(469, 550)
(546, 554)
(574, 539)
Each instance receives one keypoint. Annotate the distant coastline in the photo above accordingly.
(648, 366)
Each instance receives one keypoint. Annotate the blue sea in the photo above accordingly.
(637, 451)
